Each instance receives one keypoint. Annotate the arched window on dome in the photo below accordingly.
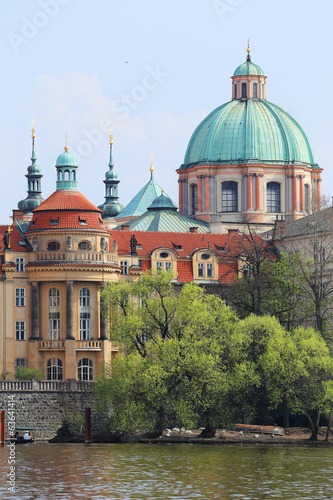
(229, 196)
(307, 198)
(262, 91)
(84, 314)
(244, 90)
(54, 314)
(255, 90)
(273, 197)
(54, 369)
(66, 175)
(73, 175)
(194, 198)
(235, 91)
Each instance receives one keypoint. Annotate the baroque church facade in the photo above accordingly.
(248, 158)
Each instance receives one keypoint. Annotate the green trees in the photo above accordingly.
(187, 360)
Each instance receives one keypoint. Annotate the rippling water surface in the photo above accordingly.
(177, 471)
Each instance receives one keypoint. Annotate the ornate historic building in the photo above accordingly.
(248, 158)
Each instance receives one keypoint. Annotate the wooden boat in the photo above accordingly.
(20, 439)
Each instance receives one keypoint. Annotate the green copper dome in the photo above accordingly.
(250, 130)
(66, 159)
(248, 68)
(163, 202)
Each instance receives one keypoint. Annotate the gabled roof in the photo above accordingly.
(141, 201)
(17, 243)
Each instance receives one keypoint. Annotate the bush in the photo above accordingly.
(25, 373)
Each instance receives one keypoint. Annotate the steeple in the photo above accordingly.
(66, 166)
(111, 206)
(34, 177)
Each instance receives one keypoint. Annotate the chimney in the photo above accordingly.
(193, 229)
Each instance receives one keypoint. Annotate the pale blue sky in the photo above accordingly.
(64, 65)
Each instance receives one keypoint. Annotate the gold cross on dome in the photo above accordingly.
(33, 128)
(66, 139)
(110, 136)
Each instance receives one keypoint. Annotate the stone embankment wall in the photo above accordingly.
(44, 405)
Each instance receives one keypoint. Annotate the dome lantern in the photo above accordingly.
(111, 207)
(248, 80)
(66, 166)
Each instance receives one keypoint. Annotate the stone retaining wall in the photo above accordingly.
(43, 405)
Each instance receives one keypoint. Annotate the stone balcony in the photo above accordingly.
(80, 345)
(71, 256)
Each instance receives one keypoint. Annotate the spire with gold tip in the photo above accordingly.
(248, 50)
(151, 168)
(34, 199)
(111, 206)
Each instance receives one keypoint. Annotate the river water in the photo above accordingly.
(168, 471)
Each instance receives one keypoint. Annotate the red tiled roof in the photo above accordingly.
(227, 272)
(67, 200)
(184, 270)
(221, 244)
(15, 237)
(66, 220)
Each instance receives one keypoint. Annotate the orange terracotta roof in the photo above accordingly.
(184, 244)
(66, 220)
(184, 270)
(15, 238)
(227, 272)
(67, 200)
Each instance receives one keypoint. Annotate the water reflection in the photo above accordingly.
(170, 472)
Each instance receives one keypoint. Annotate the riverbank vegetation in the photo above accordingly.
(189, 360)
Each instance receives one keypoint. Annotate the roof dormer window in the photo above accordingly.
(54, 222)
(82, 222)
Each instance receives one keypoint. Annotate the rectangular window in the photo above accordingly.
(124, 266)
(54, 325)
(20, 264)
(20, 297)
(210, 271)
(168, 266)
(159, 266)
(85, 326)
(20, 362)
(20, 330)
(201, 270)
(229, 197)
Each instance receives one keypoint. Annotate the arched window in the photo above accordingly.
(66, 173)
(84, 314)
(54, 314)
(255, 90)
(85, 369)
(307, 197)
(235, 87)
(194, 198)
(229, 197)
(262, 91)
(54, 369)
(244, 90)
(273, 197)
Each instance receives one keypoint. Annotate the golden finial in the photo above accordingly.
(111, 137)
(33, 128)
(151, 168)
(66, 139)
(248, 50)
(162, 191)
